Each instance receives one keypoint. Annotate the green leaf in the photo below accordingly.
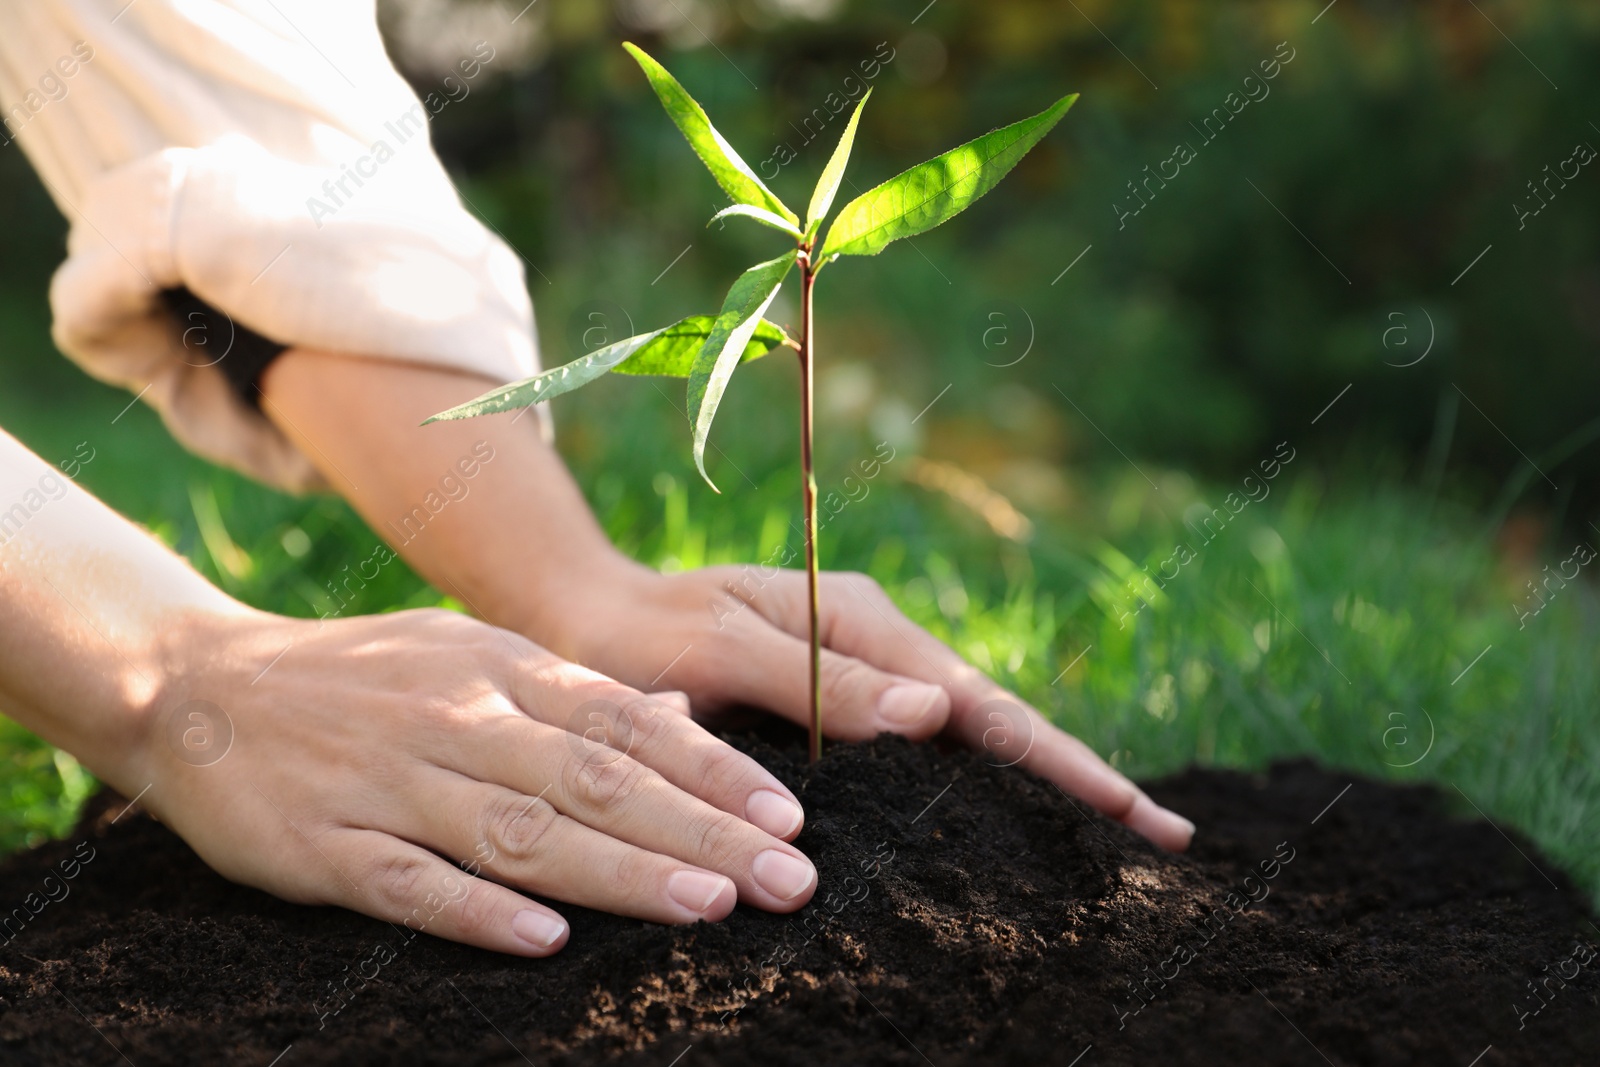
(713, 366)
(668, 352)
(563, 379)
(673, 351)
(731, 172)
(828, 185)
(936, 191)
(761, 215)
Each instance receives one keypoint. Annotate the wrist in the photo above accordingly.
(568, 603)
(199, 658)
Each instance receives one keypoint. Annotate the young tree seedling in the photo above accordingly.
(706, 349)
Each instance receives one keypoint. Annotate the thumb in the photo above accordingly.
(772, 669)
(860, 702)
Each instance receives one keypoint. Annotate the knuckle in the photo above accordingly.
(642, 721)
(398, 882)
(599, 729)
(847, 680)
(720, 769)
(516, 826)
(1120, 804)
(722, 577)
(433, 708)
(716, 839)
(604, 778)
(540, 672)
(635, 872)
(476, 909)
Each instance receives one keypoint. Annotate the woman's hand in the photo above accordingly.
(739, 635)
(336, 763)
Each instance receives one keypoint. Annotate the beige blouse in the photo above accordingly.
(266, 155)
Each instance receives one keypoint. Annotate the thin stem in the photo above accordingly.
(809, 491)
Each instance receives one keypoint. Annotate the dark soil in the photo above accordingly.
(967, 915)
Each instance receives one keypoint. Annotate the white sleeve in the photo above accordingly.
(266, 155)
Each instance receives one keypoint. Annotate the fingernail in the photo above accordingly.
(537, 928)
(907, 705)
(782, 875)
(696, 890)
(1168, 826)
(773, 812)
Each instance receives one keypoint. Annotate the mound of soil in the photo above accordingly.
(967, 915)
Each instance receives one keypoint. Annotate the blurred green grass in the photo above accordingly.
(1342, 617)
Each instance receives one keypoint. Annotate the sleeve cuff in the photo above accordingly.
(379, 259)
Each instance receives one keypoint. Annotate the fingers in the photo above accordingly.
(771, 669)
(676, 747)
(524, 842)
(1014, 734)
(417, 891)
(623, 798)
(1164, 827)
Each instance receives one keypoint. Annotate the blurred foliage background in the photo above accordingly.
(1201, 332)
(1351, 270)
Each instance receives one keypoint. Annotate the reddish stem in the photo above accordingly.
(809, 491)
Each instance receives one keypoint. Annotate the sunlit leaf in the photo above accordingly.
(668, 352)
(731, 172)
(828, 185)
(761, 215)
(714, 364)
(562, 379)
(673, 351)
(933, 192)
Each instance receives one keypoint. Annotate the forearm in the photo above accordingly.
(88, 606)
(484, 509)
